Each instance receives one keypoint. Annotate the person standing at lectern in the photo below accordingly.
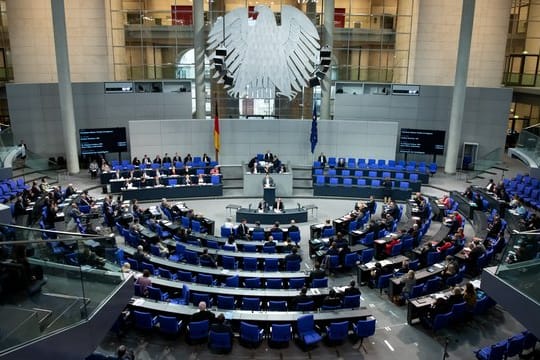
(268, 181)
(268, 157)
(278, 205)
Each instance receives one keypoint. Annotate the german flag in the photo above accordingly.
(216, 131)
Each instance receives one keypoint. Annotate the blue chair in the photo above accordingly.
(198, 297)
(292, 265)
(149, 267)
(251, 248)
(366, 255)
(361, 182)
(178, 253)
(432, 285)
(226, 231)
(459, 312)
(347, 182)
(515, 345)
(184, 300)
(404, 185)
(173, 182)
(375, 182)
(305, 306)
(396, 249)
(191, 257)
(277, 235)
(169, 325)
(185, 276)
(252, 283)
(229, 262)
(294, 236)
(197, 227)
(305, 327)
(225, 302)
(212, 244)
(372, 174)
(433, 257)
(271, 265)
(274, 283)
(441, 321)
(333, 181)
(232, 281)
(326, 233)
(364, 328)
(280, 335)
(258, 235)
(493, 352)
(269, 249)
(351, 302)
(205, 279)
(250, 264)
(319, 180)
(383, 282)
(250, 335)
(134, 264)
(144, 320)
(318, 283)
(417, 291)
(253, 304)
(333, 262)
(164, 273)
(156, 294)
(197, 332)
(274, 305)
(297, 283)
(337, 332)
(220, 342)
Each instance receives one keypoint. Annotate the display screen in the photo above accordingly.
(417, 141)
(102, 141)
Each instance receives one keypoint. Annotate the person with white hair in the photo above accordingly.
(203, 314)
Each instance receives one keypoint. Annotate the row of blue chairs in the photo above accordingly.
(11, 188)
(369, 174)
(260, 235)
(251, 335)
(361, 163)
(321, 180)
(513, 346)
(197, 162)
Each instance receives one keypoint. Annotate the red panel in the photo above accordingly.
(181, 15)
(339, 17)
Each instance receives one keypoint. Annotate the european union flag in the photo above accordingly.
(313, 138)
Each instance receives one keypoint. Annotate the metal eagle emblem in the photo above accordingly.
(261, 59)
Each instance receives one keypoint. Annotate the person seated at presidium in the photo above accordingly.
(278, 205)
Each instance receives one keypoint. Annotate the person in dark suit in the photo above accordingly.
(341, 163)
(166, 158)
(205, 159)
(205, 257)
(276, 228)
(188, 158)
(258, 227)
(263, 206)
(278, 205)
(252, 165)
(322, 159)
(332, 300)
(317, 272)
(203, 314)
(157, 160)
(220, 326)
(352, 289)
(293, 227)
(293, 256)
(301, 298)
(242, 231)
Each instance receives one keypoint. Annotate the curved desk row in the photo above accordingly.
(270, 217)
(238, 292)
(172, 192)
(413, 185)
(248, 315)
(204, 238)
(360, 192)
(218, 272)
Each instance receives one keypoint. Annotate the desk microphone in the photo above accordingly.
(299, 206)
(249, 208)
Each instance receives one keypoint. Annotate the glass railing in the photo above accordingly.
(486, 162)
(529, 143)
(520, 264)
(50, 280)
(521, 79)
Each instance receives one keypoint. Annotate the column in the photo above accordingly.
(327, 39)
(199, 46)
(64, 85)
(460, 86)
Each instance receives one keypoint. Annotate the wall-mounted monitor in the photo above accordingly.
(417, 141)
(102, 141)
